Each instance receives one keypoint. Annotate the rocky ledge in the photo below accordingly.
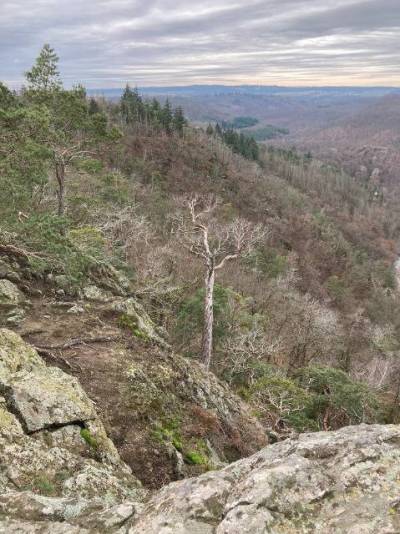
(59, 473)
(346, 481)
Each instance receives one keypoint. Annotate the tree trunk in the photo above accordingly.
(60, 174)
(206, 351)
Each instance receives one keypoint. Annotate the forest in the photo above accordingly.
(306, 311)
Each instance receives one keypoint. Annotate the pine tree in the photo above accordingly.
(210, 130)
(166, 117)
(44, 75)
(179, 121)
(93, 107)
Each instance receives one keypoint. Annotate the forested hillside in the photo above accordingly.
(95, 203)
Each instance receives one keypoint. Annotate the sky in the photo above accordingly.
(106, 43)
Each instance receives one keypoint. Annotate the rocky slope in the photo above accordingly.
(59, 473)
(56, 461)
(341, 482)
(168, 418)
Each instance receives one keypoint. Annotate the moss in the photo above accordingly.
(170, 431)
(129, 323)
(196, 458)
(90, 440)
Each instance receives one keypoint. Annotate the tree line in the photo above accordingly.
(240, 143)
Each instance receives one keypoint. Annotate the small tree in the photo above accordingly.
(216, 244)
(73, 131)
(179, 121)
(44, 75)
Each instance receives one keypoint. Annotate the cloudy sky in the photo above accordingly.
(104, 43)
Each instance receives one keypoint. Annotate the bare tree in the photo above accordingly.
(217, 244)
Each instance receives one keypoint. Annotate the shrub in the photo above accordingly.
(337, 400)
(279, 398)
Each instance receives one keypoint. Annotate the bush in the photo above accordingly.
(280, 398)
(337, 400)
(268, 261)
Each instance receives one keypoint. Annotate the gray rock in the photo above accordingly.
(10, 295)
(340, 482)
(12, 301)
(139, 319)
(46, 397)
(96, 294)
(76, 310)
(44, 449)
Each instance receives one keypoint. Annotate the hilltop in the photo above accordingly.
(95, 275)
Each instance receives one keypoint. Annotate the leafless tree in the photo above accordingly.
(216, 244)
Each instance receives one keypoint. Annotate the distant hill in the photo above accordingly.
(207, 90)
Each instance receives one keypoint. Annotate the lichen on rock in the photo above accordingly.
(42, 413)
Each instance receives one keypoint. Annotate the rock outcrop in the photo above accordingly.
(59, 472)
(345, 482)
(56, 461)
(12, 302)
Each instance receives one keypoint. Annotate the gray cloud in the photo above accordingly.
(104, 43)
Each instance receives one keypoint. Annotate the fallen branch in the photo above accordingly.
(18, 252)
(79, 341)
(50, 356)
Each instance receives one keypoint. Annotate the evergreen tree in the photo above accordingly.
(93, 107)
(132, 107)
(7, 98)
(44, 75)
(73, 132)
(210, 130)
(179, 121)
(166, 117)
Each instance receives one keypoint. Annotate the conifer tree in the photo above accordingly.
(179, 121)
(44, 75)
(166, 117)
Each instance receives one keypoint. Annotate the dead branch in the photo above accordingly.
(79, 341)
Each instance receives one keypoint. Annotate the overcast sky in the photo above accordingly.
(104, 43)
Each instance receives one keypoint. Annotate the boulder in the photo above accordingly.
(41, 396)
(47, 397)
(12, 301)
(327, 482)
(53, 447)
(135, 317)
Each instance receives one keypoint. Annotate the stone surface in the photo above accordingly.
(10, 294)
(41, 396)
(12, 301)
(96, 294)
(47, 397)
(57, 465)
(346, 481)
(139, 320)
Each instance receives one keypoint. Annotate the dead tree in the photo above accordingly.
(216, 244)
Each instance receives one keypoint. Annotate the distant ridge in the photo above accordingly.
(203, 90)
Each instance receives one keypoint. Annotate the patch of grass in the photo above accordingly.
(44, 486)
(89, 439)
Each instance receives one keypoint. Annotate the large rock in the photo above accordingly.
(56, 461)
(41, 396)
(341, 482)
(10, 295)
(134, 316)
(12, 301)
